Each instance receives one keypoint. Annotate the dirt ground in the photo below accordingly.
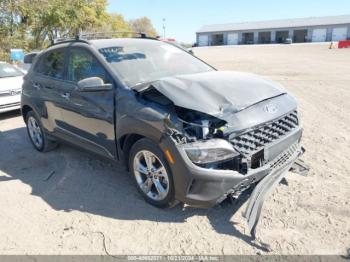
(72, 202)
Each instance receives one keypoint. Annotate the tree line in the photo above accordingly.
(33, 24)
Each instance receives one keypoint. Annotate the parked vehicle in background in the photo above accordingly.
(11, 80)
(186, 131)
(289, 41)
(173, 42)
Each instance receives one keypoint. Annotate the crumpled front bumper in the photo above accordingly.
(202, 187)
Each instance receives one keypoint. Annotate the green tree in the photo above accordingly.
(14, 25)
(32, 24)
(114, 23)
(66, 18)
(118, 23)
(144, 25)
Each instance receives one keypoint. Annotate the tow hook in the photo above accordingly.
(299, 166)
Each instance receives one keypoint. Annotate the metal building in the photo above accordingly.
(313, 29)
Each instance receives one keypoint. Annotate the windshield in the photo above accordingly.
(7, 70)
(137, 62)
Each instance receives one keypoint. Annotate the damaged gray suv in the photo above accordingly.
(187, 132)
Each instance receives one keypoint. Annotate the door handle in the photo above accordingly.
(65, 95)
(36, 86)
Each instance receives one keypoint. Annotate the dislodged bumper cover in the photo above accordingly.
(264, 188)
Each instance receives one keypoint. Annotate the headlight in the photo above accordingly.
(214, 150)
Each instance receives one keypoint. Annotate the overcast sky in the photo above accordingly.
(184, 18)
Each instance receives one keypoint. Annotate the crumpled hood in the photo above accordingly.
(217, 92)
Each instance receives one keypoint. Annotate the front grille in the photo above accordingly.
(255, 140)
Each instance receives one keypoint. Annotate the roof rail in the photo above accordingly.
(67, 40)
(111, 34)
(84, 37)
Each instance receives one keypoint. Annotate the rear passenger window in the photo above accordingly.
(82, 64)
(52, 64)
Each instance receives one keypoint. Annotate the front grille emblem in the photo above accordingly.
(271, 108)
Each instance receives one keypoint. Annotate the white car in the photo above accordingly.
(11, 80)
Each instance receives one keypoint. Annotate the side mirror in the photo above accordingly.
(190, 51)
(29, 58)
(93, 84)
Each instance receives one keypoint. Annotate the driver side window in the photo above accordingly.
(82, 64)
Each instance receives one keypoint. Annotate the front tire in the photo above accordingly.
(152, 174)
(37, 135)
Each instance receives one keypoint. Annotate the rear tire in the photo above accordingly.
(37, 135)
(151, 173)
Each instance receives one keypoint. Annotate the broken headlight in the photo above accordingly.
(200, 125)
(210, 151)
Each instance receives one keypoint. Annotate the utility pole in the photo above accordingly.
(164, 27)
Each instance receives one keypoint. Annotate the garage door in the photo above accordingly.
(232, 39)
(339, 34)
(319, 35)
(203, 40)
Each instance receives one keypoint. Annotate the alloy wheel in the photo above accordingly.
(35, 132)
(151, 175)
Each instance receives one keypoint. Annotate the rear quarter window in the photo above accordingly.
(52, 64)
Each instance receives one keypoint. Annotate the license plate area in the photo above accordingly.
(273, 150)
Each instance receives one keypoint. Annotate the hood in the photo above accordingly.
(217, 92)
(11, 83)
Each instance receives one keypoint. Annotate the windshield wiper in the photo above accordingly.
(141, 86)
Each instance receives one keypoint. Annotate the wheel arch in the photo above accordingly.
(130, 130)
(126, 142)
(25, 110)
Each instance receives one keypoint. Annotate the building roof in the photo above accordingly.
(275, 24)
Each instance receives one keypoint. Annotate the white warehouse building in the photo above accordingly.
(300, 30)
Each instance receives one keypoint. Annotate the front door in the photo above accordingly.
(88, 116)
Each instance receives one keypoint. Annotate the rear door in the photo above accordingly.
(88, 117)
(45, 88)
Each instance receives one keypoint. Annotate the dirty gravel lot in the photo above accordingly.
(88, 200)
